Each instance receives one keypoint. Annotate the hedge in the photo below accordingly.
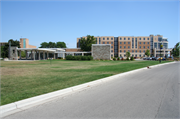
(70, 57)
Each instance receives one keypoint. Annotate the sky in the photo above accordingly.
(66, 20)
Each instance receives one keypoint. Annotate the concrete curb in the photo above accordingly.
(37, 100)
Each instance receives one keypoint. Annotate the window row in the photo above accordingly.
(108, 42)
(135, 38)
(133, 47)
(132, 51)
(133, 55)
(144, 42)
(104, 38)
(124, 42)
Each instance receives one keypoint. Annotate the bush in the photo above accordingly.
(114, 59)
(69, 57)
(122, 59)
(132, 58)
(127, 58)
(118, 58)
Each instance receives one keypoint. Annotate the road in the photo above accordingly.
(151, 93)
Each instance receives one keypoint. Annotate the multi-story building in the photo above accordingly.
(136, 45)
(24, 43)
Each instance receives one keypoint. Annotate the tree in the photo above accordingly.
(5, 49)
(86, 44)
(175, 50)
(23, 54)
(147, 53)
(61, 45)
(128, 54)
(53, 45)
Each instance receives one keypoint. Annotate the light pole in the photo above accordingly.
(161, 46)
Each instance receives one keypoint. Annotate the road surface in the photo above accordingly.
(151, 93)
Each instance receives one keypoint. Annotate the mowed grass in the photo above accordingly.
(25, 79)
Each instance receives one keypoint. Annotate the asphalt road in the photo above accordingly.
(151, 93)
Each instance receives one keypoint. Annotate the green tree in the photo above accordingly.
(44, 45)
(147, 53)
(128, 54)
(175, 50)
(86, 44)
(23, 54)
(61, 45)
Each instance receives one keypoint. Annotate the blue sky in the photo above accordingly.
(58, 20)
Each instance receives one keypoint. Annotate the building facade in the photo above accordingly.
(24, 43)
(136, 45)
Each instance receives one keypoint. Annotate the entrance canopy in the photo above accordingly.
(42, 49)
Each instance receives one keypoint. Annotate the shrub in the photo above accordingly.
(114, 59)
(69, 57)
(122, 58)
(118, 58)
(132, 58)
(127, 58)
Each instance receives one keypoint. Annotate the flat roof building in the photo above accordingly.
(136, 45)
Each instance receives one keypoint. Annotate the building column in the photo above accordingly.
(31, 55)
(63, 55)
(54, 55)
(16, 54)
(26, 54)
(154, 52)
(47, 55)
(39, 55)
(20, 54)
(34, 55)
(82, 54)
(43, 55)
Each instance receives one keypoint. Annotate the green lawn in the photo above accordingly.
(25, 79)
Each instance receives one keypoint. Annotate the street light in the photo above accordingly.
(161, 46)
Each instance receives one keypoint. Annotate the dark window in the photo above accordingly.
(148, 38)
(107, 42)
(103, 42)
(139, 55)
(103, 38)
(120, 42)
(139, 38)
(144, 47)
(132, 50)
(139, 42)
(128, 42)
(144, 38)
(124, 38)
(111, 42)
(120, 38)
(147, 42)
(144, 43)
(111, 50)
(128, 46)
(124, 46)
(120, 47)
(124, 42)
(107, 38)
(111, 38)
(136, 51)
(148, 47)
(140, 47)
(128, 38)
(120, 51)
(111, 46)
(140, 51)
(124, 50)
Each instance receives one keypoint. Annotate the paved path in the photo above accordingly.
(151, 93)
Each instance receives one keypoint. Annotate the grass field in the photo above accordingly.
(25, 79)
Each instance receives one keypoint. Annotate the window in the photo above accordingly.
(107, 38)
(124, 50)
(128, 38)
(139, 38)
(128, 50)
(147, 42)
(124, 38)
(148, 47)
(136, 55)
(124, 42)
(111, 38)
(132, 50)
(111, 42)
(120, 51)
(132, 55)
(140, 51)
(124, 46)
(103, 38)
(107, 42)
(120, 47)
(111, 46)
(120, 42)
(144, 47)
(144, 43)
(136, 51)
(140, 47)
(144, 51)
(128, 42)
(111, 50)
(96, 38)
(124, 55)
(111, 55)
(139, 42)
(148, 38)
(128, 46)
(144, 38)
(103, 42)
(120, 38)
(139, 55)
